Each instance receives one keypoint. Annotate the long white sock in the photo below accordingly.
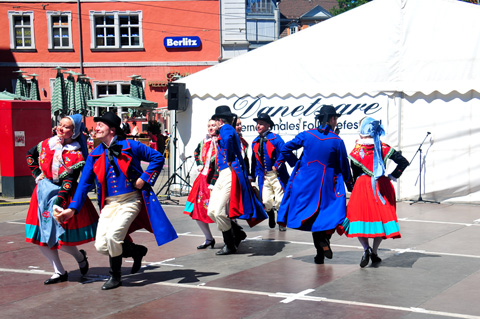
(73, 250)
(52, 256)
(364, 242)
(205, 230)
(376, 244)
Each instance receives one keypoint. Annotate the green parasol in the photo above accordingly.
(70, 92)
(136, 90)
(21, 85)
(80, 95)
(34, 89)
(59, 97)
(10, 96)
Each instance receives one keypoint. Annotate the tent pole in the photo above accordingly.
(398, 96)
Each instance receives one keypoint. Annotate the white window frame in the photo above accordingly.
(118, 84)
(117, 34)
(50, 15)
(13, 44)
(294, 28)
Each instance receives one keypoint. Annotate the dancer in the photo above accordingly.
(197, 201)
(371, 210)
(271, 177)
(56, 164)
(232, 196)
(244, 143)
(116, 166)
(315, 198)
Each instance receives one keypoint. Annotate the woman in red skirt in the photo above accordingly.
(371, 210)
(56, 164)
(199, 197)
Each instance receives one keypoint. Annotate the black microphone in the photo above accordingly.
(428, 133)
(188, 157)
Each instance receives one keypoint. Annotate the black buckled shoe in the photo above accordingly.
(226, 251)
(207, 243)
(319, 259)
(365, 258)
(113, 282)
(375, 258)
(84, 269)
(60, 278)
(327, 251)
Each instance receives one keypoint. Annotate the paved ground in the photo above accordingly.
(433, 271)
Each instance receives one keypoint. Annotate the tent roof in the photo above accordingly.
(407, 46)
(122, 101)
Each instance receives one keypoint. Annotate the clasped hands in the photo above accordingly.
(63, 215)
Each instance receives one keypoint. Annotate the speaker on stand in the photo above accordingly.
(177, 97)
(177, 101)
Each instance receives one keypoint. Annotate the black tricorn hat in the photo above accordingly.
(222, 111)
(264, 117)
(326, 111)
(111, 119)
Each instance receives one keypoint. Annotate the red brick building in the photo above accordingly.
(159, 40)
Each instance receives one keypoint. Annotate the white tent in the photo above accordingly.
(415, 64)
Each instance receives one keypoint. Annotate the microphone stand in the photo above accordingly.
(420, 199)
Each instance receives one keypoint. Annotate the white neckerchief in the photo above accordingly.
(213, 145)
(365, 141)
(55, 144)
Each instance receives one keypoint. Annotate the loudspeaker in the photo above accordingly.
(177, 96)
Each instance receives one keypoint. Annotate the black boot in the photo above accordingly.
(229, 247)
(271, 218)
(136, 252)
(322, 243)
(238, 234)
(115, 279)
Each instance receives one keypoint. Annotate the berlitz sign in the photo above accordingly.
(181, 42)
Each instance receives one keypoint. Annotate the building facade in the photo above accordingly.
(109, 41)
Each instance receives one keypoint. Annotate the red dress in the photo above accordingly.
(81, 228)
(199, 197)
(367, 216)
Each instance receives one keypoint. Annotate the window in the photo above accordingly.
(116, 30)
(111, 88)
(21, 30)
(102, 89)
(260, 6)
(60, 30)
(293, 28)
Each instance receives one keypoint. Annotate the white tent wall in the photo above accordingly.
(451, 165)
(418, 59)
(449, 154)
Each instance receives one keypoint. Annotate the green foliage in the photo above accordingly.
(345, 5)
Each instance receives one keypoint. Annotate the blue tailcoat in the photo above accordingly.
(152, 217)
(315, 197)
(243, 203)
(271, 152)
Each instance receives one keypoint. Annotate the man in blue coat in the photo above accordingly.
(232, 196)
(271, 177)
(315, 198)
(125, 196)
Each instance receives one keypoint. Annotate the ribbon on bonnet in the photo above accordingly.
(373, 128)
